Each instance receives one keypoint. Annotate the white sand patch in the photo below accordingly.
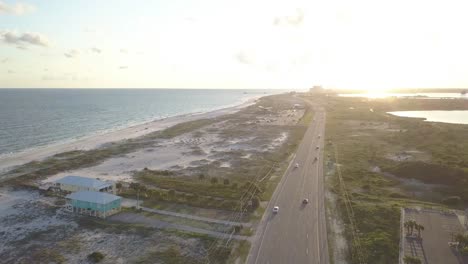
(375, 169)
(121, 168)
(23, 212)
(247, 156)
(277, 141)
(225, 165)
(91, 142)
(399, 157)
(178, 151)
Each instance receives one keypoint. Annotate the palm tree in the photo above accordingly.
(416, 227)
(461, 239)
(413, 224)
(407, 226)
(419, 228)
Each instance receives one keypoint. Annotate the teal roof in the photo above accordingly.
(84, 182)
(93, 197)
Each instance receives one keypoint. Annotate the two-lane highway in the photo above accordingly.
(297, 233)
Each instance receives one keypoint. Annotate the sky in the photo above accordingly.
(360, 44)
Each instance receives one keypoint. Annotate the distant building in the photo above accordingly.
(98, 204)
(78, 183)
(316, 89)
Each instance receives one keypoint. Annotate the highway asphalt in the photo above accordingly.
(297, 233)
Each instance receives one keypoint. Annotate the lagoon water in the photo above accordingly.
(452, 117)
(37, 117)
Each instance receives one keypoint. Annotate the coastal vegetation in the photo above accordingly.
(230, 183)
(240, 187)
(374, 156)
(37, 170)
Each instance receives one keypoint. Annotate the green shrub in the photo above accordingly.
(96, 257)
(411, 260)
(171, 193)
(255, 203)
(60, 202)
(464, 251)
(452, 200)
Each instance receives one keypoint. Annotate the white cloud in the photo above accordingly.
(293, 20)
(23, 39)
(96, 50)
(242, 57)
(72, 53)
(16, 9)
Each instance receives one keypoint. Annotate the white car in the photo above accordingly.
(276, 209)
(297, 165)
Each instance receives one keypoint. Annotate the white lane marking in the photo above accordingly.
(307, 252)
(307, 235)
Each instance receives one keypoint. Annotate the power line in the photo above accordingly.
(349, 210)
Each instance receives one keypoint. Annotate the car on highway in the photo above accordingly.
(305, 201)
(276, 209)
(317, 147)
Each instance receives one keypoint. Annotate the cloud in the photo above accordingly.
(4, 60)
(11, 71)
(242, 57)
(23, 39)
(123, 67)
(96, 50)
(16, 9)
(124, 51)
(72, 53)
(294, 20)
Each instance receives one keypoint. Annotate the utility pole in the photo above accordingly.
(138, 199)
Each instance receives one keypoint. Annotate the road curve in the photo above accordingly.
(298, 233)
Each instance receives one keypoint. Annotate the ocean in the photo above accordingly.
(31, 118)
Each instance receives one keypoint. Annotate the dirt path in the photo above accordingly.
(130, 203)
(140, 219)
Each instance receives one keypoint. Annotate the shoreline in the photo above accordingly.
(8, 161)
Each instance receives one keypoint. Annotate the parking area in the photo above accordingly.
(433, 244)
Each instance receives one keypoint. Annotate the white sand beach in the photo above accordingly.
(94, 141)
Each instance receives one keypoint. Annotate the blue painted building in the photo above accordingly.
(78, 183)
(98, 204)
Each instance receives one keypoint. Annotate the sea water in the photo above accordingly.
(32, 118)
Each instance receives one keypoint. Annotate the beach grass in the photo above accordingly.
(72, 160)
